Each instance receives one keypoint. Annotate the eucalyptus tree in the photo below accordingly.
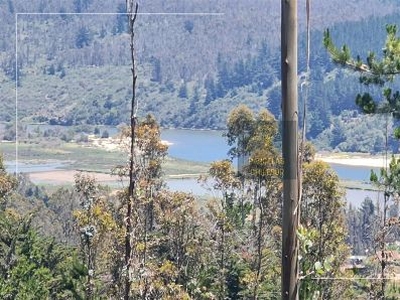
(323, 228)
(97, 228)
(322, 232)
(249, 209)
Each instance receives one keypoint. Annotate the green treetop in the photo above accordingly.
(375, 70)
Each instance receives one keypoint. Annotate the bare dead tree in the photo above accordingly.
(132, 14)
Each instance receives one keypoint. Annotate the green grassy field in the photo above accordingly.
(81, 157)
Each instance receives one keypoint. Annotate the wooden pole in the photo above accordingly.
(289, 150)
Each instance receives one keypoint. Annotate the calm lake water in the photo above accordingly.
(208, 146)
(358, 173)
(196, 145)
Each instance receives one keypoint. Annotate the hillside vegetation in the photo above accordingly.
(74, 68)
(138, 239)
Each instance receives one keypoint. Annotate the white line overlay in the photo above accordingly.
(16, 94)
(84, 14)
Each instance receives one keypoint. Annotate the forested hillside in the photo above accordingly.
(73, 66)
(126, 233)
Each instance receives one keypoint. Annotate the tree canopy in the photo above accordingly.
(379, 70)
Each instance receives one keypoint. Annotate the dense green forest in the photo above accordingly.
(215, 71)
(69, 244)
(193, 69)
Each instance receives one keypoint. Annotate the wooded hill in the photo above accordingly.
(193, 69)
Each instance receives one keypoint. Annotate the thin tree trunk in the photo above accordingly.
(259, 247)
(132, 182)
(383, 247)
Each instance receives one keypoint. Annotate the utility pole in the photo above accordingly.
(290, 209)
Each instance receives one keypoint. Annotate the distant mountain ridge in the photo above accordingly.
(185, 45)
(193, 69)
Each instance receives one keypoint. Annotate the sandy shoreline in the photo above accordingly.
(355, 159)
(347, 159)
(112, 143)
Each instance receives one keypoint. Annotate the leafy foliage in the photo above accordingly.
(97, 229)
(32, 265)
(323, 235)
(374, 71)
(379, 71)
(7, 182)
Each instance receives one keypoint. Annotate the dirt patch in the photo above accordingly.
(67, 177)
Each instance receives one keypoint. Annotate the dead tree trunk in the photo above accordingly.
(132, 14)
